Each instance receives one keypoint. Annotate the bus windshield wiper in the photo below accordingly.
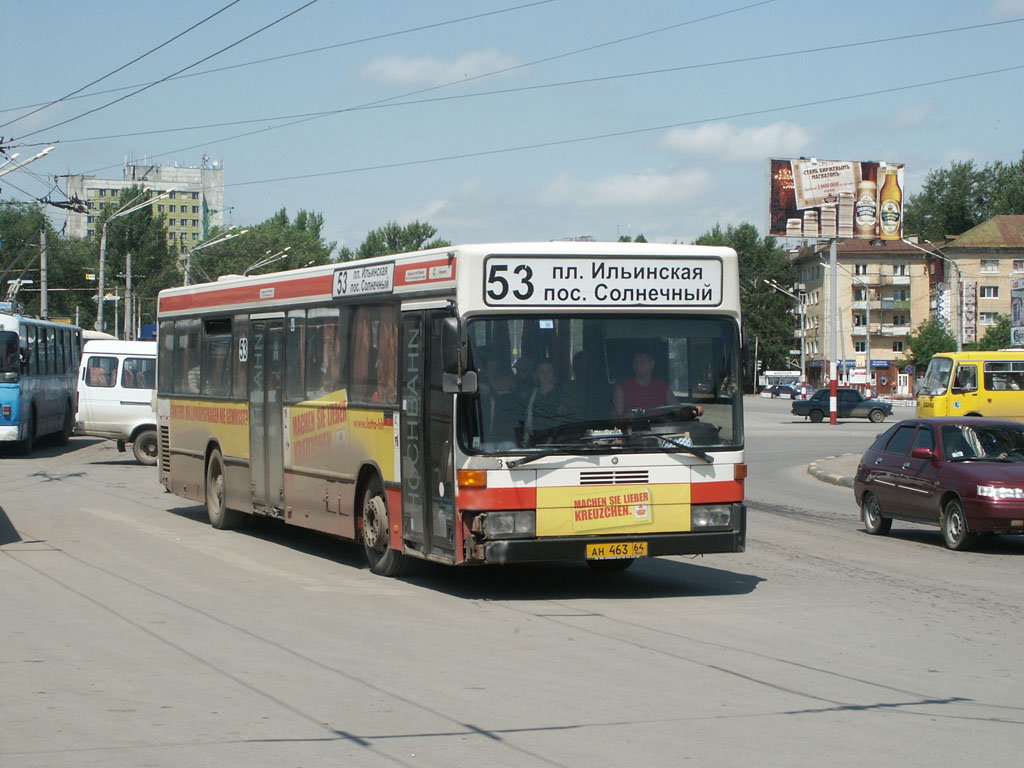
(555, 448)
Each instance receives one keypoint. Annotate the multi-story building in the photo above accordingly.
(885, 289)
(882, 293)
(970, 285)
(191, 210)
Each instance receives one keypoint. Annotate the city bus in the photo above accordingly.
(38, 378)
(976, 383)
(467, 405)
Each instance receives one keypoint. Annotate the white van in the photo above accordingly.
(116, 382)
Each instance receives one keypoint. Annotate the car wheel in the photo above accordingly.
(877, 415)
(954, 527)
(146, 447)
(874, 522)
(383, 560)
(816, 416)
(220, 516)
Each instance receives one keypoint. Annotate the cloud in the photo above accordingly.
(426, 70)
(645, 188)
(913, 115)
(722, 141)
(1006, 8)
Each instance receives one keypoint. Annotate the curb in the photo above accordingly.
(819, 469)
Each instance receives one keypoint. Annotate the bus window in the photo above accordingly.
(30, 350)
(186, 356)
(966, 378)
(326, 330)
(375, 354)
(101, 371)
(216, 377)
(295, 344)
(10, 363)
(165, 370)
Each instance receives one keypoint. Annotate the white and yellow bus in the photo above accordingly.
(978, 383)
(459, 404)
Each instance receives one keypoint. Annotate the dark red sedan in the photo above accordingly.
(965, 475)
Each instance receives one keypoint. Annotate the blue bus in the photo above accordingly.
(38, 379)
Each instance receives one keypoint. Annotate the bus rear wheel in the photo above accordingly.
(24, 447)
(220, 516)
(64, 436)
(383, 560)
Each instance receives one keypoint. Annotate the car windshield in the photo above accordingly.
(983, 442)
(601, 383)
(936, 377)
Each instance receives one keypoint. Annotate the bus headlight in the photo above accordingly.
(710, 516)
(513, 524)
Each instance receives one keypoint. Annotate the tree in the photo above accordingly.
(928, 339)
(962, 196)
(394, 238)
(302, 238)
(767, 313)
(627, 239)
(997, 336)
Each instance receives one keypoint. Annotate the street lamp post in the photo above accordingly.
(103, 250)
(803, 329)
(959, 327)
(220, 239)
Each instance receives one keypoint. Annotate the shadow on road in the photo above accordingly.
(646, 578)
(8, 533)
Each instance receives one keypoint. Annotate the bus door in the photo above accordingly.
(266, 442)
(965, 398)
(428, 490)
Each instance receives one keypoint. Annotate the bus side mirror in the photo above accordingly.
(454, 359)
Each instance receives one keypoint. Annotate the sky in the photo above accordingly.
(505, 120)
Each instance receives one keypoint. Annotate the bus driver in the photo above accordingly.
(642, 391)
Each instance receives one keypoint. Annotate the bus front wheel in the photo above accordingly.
(383, 560)
(24, 447)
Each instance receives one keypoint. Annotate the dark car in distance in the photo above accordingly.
(783, 390)
(965, 475)
(849, 404)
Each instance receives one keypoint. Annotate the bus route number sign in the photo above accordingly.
(363, 280)
(539, 281)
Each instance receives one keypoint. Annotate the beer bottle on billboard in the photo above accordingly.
(890, 207)
(865, 209)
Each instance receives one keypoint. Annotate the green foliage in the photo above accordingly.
(767, 313)
(394, 238)
(627, 239)
(300, 237)
(997, 336)
(962, 196)
(928, 339)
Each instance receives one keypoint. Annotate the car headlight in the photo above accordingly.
(513, 524)
(1000, 492)
(711, 516)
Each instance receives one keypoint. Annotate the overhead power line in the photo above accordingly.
(357, 41)
(628, 132)
(137, 59)
(520, 89)
(178, 72)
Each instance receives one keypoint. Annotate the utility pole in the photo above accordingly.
(44, 306)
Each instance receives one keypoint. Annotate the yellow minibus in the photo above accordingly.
(979, 383)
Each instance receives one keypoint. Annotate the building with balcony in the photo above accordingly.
(194, 207)
(882, 294)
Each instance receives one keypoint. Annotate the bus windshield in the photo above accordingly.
(592, 383)
(936, 377)
(9, 362)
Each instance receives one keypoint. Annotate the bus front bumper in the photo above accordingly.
(9, 434)
(575, 547)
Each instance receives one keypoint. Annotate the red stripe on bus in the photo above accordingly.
(496, 498)
(716, 493)
(303, 287)
(394, 496)
(401, 271)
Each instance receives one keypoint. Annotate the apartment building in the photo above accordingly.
(882, 293)
(194, 207)
(885, 289)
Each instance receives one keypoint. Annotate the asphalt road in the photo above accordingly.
(134, 634)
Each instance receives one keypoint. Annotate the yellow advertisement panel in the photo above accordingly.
(613, 509)
(193, 421)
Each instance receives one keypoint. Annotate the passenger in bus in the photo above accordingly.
(643, 391)
(546, 407)
(502, 414)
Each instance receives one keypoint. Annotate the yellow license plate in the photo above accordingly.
(616, 549)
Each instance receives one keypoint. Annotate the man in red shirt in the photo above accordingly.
(642, 391)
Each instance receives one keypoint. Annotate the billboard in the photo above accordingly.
(827, 199)
(1017, 313)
